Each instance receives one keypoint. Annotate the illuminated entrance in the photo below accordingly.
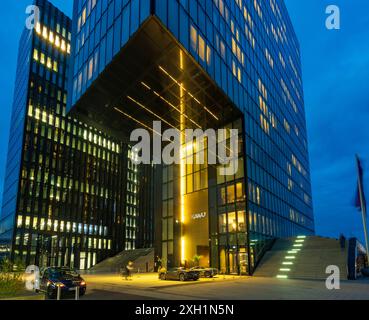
(233, 260)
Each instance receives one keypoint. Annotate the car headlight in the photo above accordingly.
(59, 284)
(55, 284)
(83, 283)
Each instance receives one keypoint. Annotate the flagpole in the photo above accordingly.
(363, 208)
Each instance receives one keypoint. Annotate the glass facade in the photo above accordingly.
(249, 50)
(101, 29)
(14, 155)
(71, 191)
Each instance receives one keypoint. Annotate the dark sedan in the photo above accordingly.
(180, 274)
(206, 272)
(65, 278)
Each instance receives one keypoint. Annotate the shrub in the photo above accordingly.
(11, 278)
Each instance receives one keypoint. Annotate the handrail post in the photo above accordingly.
(58, 293)
(77, 293)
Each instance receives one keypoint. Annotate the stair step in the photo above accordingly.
(316, 253)
(140, 257)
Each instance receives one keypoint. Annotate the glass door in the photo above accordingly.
(233, 262)
(243, 260)
(223, 261)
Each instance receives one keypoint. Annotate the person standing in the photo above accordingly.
(129, 269)
(125, 272)
(159, 263)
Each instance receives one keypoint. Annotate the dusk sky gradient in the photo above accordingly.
(336, 83)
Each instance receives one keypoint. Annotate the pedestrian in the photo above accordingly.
(129, 269)
(124, 271)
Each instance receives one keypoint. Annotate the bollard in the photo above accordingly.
(59, 293)
(77, 293)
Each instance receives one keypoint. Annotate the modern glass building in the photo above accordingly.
(71, 190)
(231, 64)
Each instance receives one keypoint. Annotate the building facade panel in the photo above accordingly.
(70, 196)
(14, 154)
(101, 28)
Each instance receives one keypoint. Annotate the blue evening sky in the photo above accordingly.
(336, 83)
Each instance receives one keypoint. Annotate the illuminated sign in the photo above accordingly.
(197, 216)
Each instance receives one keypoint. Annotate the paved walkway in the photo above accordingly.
(114, 287)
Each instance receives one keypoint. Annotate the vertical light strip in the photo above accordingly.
(181, 60)
(182, 161)
(183, 256)
(182, 155)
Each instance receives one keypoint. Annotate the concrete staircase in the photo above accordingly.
(303, 258)
(143, 261)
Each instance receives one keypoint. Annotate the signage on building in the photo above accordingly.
(198, 216)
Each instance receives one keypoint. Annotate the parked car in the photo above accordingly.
(205, 272)
(65, 278)
(180, 274)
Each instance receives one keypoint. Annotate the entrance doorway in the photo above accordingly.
(233, 261)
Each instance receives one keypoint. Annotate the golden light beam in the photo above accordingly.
(170, 104)
(188, 92)
(148, 110)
